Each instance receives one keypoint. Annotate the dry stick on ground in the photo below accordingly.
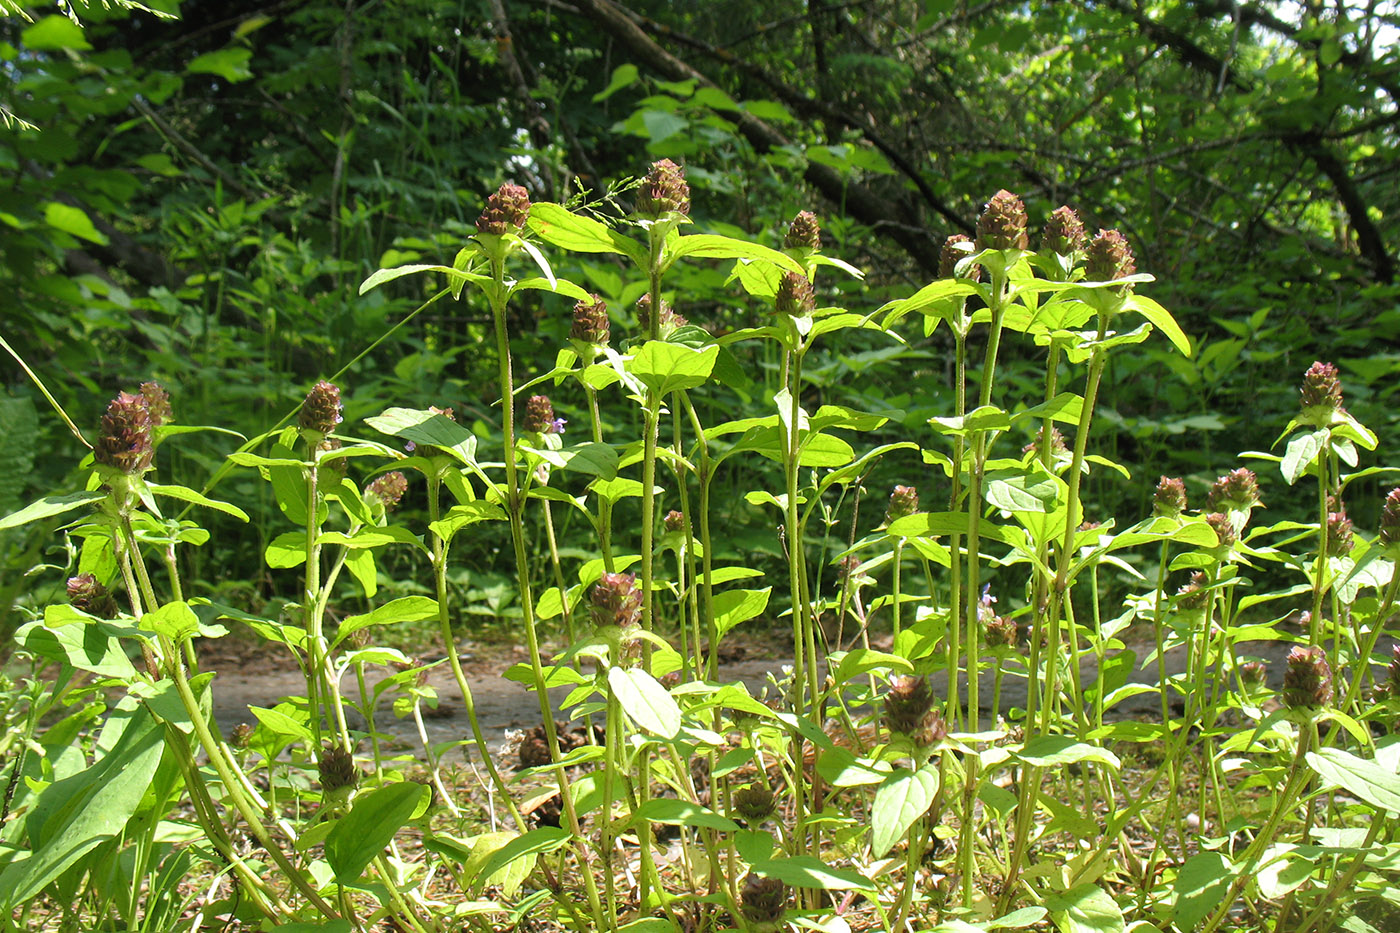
(885, 217)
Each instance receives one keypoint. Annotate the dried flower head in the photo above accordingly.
(1001, 632)
(241, 735)
(1170, 498)
(669, 322)
(534, 749)
(763, 901)
(674, 520)
(950, 255)
(804, 232)
(663, 190)
(754, 804)
(1307, 682)
(795, 296)
(337, 769)
(157, 403)
(591, 324)
(1321, 395)
(904, 500)
(1064, 232)
(322, 411)
(389, 488)
(1223, 527)
(1003, 223)
(539, 417)
(1194, 594)
(124, 435)
(87, 593)
(1390, 519)
(617, 600)
(1236, 491)
(1109, 257)
(506, 210)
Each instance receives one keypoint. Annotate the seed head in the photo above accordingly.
(157, 403)
(1003, 223)
(124, 435)
(804, 232)
(617, 600)
(1237, 490)
(506, 210)
(534, 749)
(322, 411)
(539, 417)
(762, 902)
(241, 735)
(795, 297)
(754, 803)
(663, 190)
(1390, 519)
(950, 256)
(674, 521)
(1064, 233)
(1307, 683)
(389, 489)
(904, 500)
(591, 324)
(1321, 396)
(87, 593)
(670, 320)
(337, 769)
(1109, 257)
(1170, 497)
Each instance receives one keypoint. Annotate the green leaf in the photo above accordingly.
(668, 367)
(403, 609)
(481, 848)
(372, 537)
(712, 246)
(590, 458)
(682, 813)
(88, 647)
(75, 815)
(286, 551)
(535, 842)
(48, 506)
(1162, 319)
(467, 513)
(1022, 492)
(1202, 882)
(900, 801)
(1301, 453)
(1051, 751)
(185, 494)
(1085, 909)
(806, 871)
(371, 825)
(231, 64)
(735, 606)
(175, 620)
(72, 220)
(380, 276)
(645, 701)
(54, 33)
(569, 231)
(622, 76)
(426, 428)
(859, 661)
(1380, 787)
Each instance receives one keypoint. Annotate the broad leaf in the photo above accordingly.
(372, 823)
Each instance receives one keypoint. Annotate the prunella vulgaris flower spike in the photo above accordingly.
(539, 416)
(1064, 233)
(674, 521)
(337, 769)
(124, 436)
(321, 411)
(950, 255)
(796, 297)
(389, 489)
(1236, 491)
(1340, 533)
(1321, 399)
(670, 320)
(663, 190)
(754, 803)
(909, 710)
(591, 325)
(1307, 683)
(1194, 594)
(241, 736)
(1059, 448)
(157, 403)
(1390, 519)
(1003, 223)
(1392, 670)
(1253, 674)
(1223, 527)
(762, 902)
(804, 233)
(506, 211)
(616, 600)
(1109, 257)
(904, 500)
(1001, 632)
(87, 593)
(1170, 498)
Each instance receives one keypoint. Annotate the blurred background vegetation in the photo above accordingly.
(194, 191)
